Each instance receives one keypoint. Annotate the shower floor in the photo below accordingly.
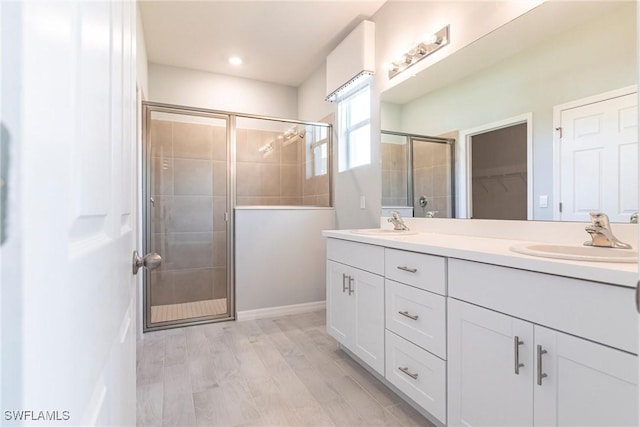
(188, 310)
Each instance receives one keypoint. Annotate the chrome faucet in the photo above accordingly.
(398, 223)
(634, 218)
(601, 234)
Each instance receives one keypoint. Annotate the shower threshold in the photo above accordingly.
(188, 310)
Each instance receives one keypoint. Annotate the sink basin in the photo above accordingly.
(383, 232)
(577, 252)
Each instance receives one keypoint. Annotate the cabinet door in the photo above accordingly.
(367, 291)
(339, 304)
(586, 384)
(484, 388)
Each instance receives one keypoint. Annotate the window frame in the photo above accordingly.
(345, 162)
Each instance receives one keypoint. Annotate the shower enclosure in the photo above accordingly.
(198, 165)
(417, 173)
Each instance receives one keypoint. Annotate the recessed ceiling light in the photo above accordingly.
(235, 60)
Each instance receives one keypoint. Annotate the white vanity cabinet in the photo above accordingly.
(505, 371)
(355, 299)
(476, 344)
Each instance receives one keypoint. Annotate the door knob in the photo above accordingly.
(149, 261)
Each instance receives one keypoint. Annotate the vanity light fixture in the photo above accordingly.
(423, 49)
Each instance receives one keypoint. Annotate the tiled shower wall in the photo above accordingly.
(432, 178)
(276, 177)
(394, 174)
(188, 184)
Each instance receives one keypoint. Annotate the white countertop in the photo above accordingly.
(497, 252)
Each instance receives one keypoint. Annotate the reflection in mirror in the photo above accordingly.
(417, 175)
(556, 55)
(499, 173)
(394, 155)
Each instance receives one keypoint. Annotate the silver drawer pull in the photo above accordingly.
(406, 371)
(409, 269)
(344, 285)
(410, 316)
(541, 375)
(351, 280)
(516, 354)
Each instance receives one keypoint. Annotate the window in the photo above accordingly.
(354, 112)
(317, 151)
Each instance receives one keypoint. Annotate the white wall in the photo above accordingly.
(280, 256)
(181, 86)
(142, 66)
(390, 116)
(573, 65)
(311, 104)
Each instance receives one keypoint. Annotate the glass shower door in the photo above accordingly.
(186, 205)
(433, 185)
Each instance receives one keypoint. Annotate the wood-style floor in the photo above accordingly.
(188, 310)
(271, 372)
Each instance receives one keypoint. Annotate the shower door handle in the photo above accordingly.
(149, 261)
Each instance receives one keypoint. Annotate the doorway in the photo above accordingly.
(187, 205)
(495, 170)
(499, 173)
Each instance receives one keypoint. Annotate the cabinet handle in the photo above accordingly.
(344, 285)
(406, 372)
(351, 280)
(541, 375)
(638, 296)
(410, 316)
(516, 354)
(409, 269)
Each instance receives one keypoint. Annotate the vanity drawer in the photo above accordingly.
(420, 270)
(416, 315)
(417, 373)
(359, 255)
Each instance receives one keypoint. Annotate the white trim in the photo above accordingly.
(557, 122)
(285, 310)
(463, 162)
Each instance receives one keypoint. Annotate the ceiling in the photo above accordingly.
(281, 42)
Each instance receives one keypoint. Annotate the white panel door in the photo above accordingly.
(599, 159)
(483, 386)
(586, 384)
(76, 139)
(367, 291)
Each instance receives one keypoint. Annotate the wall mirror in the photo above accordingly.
(533, 108)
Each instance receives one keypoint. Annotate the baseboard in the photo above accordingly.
(285, 310)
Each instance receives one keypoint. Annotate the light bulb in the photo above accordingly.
(430, 39)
